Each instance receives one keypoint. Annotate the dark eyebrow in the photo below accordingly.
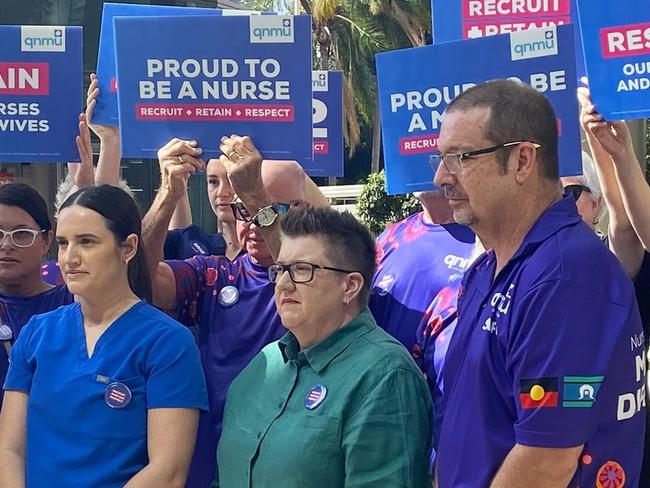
(79, 236)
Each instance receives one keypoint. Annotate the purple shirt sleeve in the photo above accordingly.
(191, 276)
(561, 330)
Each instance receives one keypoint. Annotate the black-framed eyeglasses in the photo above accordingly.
(453, 161)
(20, 237)
(240, 213)
(576, 190)
(299, 272)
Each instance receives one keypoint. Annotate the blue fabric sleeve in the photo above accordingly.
(175, 377)
(21, 361)
(172, 244)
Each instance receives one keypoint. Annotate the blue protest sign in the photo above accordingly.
(616, 38)
(105, 112)
(412, 106)
(327, 87)
(454, 20)
(40, 93)
(194, 86)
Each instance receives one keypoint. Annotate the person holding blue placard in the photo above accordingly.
(104, 392)
(627, 195)
(544, 376)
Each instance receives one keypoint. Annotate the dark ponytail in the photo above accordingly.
(123, 218)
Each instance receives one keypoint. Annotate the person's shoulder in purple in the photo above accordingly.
(544, 376)
(51, 273)
(416, 258)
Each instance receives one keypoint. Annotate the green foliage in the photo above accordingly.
(377, 210)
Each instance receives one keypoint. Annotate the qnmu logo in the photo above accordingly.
(271, 29)
(38, 38)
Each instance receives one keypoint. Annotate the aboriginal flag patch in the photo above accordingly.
(539, 393)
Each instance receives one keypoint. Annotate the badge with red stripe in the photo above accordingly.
(539, 393)
(315, 397)
(117, 395)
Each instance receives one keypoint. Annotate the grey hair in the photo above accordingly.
(590, 179)
(66, 187)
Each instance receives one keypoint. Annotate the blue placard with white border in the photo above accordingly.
(412, 106)
(327, 87)
(40, 93)
(454, 20)
(616, 38)
(105, 112)
(191, 87)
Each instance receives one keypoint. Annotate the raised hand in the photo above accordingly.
(104, 132)
(243, 163)
(178, 160)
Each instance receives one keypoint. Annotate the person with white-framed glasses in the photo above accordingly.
(25, 239)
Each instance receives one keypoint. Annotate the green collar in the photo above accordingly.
(320, 355)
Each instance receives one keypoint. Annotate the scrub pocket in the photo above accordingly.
(105, 422)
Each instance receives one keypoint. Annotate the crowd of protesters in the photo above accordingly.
(494, 339)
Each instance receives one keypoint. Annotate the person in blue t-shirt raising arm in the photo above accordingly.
(104, 392)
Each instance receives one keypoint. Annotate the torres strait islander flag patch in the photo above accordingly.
(539, 393)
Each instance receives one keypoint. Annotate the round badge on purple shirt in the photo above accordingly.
(228, 296)
(117, 395)
(315, 397)
(6, 333)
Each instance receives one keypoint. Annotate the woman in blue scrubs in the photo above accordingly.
(25, 238)
(105, 392)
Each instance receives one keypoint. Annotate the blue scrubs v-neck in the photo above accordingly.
(73, 435)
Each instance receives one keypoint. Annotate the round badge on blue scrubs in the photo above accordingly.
(315, 397)
(228, 296)
(6, 333)
(117, 395)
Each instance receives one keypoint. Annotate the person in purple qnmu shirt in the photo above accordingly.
(416, 258)
(545, 373)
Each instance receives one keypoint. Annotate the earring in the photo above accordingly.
(596, 221)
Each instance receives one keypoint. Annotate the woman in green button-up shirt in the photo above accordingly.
(336, 402)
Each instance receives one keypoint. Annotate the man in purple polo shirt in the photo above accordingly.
(544, 375)
(405, 283)
(232, 302)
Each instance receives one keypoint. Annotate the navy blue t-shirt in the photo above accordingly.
(193, 241)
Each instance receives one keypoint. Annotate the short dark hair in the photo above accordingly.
(26, 198)
(349, 244)
(123, 218)
(518, 112)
